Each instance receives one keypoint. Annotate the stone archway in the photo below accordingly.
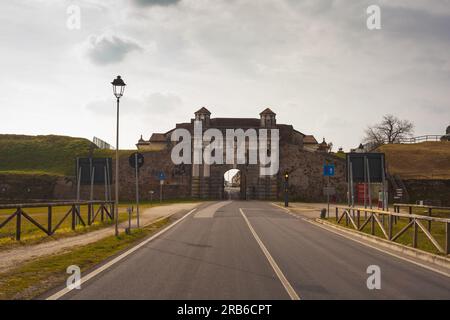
(232, 184)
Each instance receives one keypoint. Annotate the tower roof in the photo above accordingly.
(203, 110)
(267, 111)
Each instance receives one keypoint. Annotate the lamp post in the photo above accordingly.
(118, 88)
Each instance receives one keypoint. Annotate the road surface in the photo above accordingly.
(254, 250)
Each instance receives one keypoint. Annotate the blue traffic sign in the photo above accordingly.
(161, 176)
(328, 170)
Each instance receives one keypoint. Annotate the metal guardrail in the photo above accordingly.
(373, 216)
(104, 208)
(429, 137)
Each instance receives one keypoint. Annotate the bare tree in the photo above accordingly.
(390, 130)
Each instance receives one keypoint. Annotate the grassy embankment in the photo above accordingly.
(46, 155)
(40, 275)
(426, 160)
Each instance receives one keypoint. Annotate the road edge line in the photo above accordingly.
(340, 232)
(287, 286)
(352, 238)
(109, 264)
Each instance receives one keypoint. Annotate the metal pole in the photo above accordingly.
(328, 198)
(108, 180)
(351, 185)
(117, 174)
(160, 190)
(106, 184)
(368, 185)
(137, 188)
(78, 191)
(385, 206)
(92, 183)
(365, 184)
(348, 180)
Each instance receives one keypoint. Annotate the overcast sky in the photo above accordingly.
(314, 62)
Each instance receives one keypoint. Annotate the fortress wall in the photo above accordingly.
(306, 180)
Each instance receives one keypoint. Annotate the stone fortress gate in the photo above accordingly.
(300, 155)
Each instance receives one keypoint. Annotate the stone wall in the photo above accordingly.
(33, 187)
(437, 191)
(306, 180)
(177, 184)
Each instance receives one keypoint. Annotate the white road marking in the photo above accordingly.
(367, 244)
(379, 249)
(209, 211)
(289, 289)
(107, 265)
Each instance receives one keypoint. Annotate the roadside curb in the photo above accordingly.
(412, 252)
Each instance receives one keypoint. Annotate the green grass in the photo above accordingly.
(423, 243)
(35, 278)
(49, 154)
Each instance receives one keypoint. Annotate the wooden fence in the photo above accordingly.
(104, 209)
(353, 218)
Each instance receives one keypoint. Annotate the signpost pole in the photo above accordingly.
(92, 184)
(137, 187)
(286, 189)
(328, 198)
(368, 183)
(351, 186)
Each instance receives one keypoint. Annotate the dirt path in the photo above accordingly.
(13, 257)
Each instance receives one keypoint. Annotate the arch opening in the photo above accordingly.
(232, 184)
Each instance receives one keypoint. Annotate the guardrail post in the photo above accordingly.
(49, 220)
(447, 238)
(18, 223)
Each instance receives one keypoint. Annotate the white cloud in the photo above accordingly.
(314, 62)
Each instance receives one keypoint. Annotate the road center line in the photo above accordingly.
(102, 268)
(290, 290)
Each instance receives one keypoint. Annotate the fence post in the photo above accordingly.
(429, 222)
(73, 216)
(103, 211)
(18, 223)
(372, 223)
(89, 214)
(337, 214)
(390, 225)
(415, 234)
(447, 238)
(358, 214)
(49, 220)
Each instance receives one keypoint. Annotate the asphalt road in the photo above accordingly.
(258, 252)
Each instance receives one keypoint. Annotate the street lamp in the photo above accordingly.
(118, 88)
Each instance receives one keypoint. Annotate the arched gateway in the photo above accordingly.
(299, 154)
